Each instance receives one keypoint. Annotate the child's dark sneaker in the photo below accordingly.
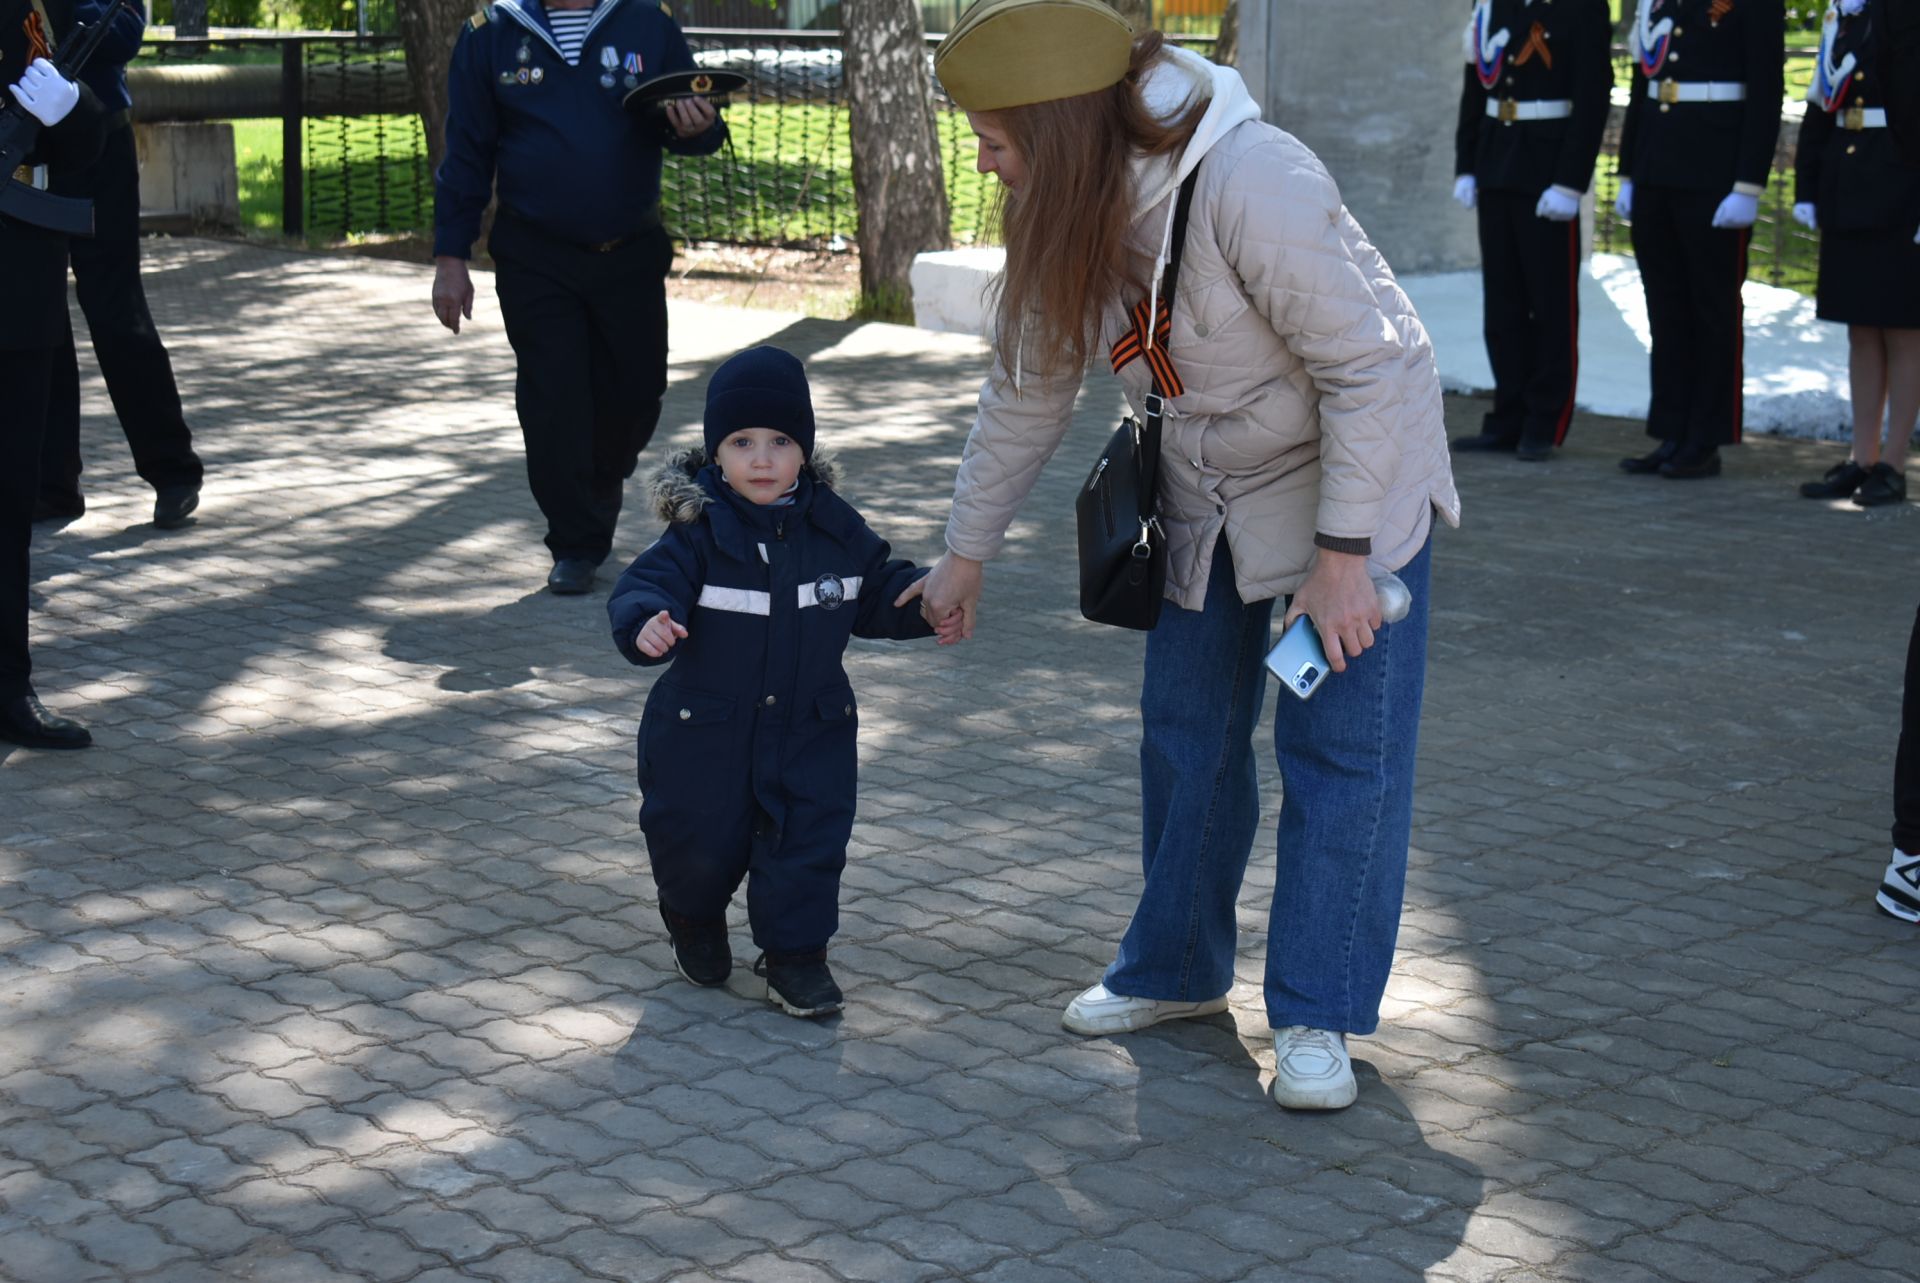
(700, 949)
(799, 983)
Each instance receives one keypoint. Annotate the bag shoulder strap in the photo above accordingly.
(1156, 401)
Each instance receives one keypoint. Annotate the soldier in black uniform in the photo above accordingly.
(33, 281)
(1863, 196)
(1695, 154)
(106, 271)
(1532, 110)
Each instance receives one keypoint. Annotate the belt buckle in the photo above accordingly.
(607, 247)
(1669, 91)
(1509, 111)
(1855, 118)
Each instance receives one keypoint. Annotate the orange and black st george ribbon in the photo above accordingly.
(1133, 345)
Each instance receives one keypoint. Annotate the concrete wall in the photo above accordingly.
(1373, 86)
(187, 175)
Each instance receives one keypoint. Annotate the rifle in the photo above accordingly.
(19, 131)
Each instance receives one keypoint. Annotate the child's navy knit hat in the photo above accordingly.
(762, 387)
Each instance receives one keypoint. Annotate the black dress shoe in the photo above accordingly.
(572, 576)
(1650, 462)
(1689, 465)
(1484, 443)
(173, 505)
(1533, 451)
(1841, 480)
(25, 721)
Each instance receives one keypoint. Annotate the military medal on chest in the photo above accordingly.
(610, 62)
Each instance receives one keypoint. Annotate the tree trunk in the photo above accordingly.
(189, 18)
(898, 183)
(1226, 50)
(428, 29)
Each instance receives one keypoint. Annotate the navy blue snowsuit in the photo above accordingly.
(746, 746)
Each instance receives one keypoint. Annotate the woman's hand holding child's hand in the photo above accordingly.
(657, 636)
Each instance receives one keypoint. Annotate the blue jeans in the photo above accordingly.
(1346, 762)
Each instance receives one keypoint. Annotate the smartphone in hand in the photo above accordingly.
(1298, 659)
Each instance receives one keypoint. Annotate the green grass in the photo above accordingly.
(786, 178)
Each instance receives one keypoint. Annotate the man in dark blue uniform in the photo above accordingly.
(106, 268)
(33, 282)
(535, 102)
(1532, 110)
(1695, 154)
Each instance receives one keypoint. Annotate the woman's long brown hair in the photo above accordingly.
(1066, 230)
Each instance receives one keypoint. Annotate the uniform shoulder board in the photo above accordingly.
(480, 17)
(666, 8)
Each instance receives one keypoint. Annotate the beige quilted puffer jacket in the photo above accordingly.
(1312, 403)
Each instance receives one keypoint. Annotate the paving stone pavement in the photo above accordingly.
(338, 958)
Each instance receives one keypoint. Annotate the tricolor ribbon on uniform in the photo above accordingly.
(1489, 48)
(1831, 78)
(1650, 40)
(1133, 344)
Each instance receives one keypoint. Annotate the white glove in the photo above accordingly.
(45, 94)
(1465, 190)
(1803, 214)
(1557, 207)
(1737, 210)
(1623, 203)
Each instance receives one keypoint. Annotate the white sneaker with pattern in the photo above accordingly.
(1899, 894)
(1311, 1069)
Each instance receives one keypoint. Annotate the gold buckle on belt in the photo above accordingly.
(1509, 111)
(1855, 118)
(1669, 91)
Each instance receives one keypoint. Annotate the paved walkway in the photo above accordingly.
(337, 958)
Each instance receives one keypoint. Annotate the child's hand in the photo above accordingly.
(951, 630)
(657, 636)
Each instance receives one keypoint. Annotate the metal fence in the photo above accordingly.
(352, 156)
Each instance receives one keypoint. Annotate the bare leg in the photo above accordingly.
(1903, 394)
(1867, 386)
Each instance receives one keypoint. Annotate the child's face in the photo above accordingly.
(760, 463)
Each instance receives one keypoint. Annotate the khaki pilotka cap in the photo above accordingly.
(1009, 53)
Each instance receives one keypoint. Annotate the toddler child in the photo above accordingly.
(746, 745)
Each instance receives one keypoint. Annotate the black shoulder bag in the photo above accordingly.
(1123, 550)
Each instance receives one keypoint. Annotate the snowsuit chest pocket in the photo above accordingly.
(685, 736)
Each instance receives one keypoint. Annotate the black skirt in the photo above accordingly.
(1870, 278)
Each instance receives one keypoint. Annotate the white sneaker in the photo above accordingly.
(1899, 894)
(1101, 1011)
(1311, 1069)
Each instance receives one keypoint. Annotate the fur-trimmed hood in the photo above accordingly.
(679, 499)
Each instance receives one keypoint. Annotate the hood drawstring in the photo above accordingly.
(1159, 268)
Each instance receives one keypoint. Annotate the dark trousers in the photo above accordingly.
(1906, 760)
(139, 376)
(589, 335)
(23, 376)
(1529, 271)
(1692, 272)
